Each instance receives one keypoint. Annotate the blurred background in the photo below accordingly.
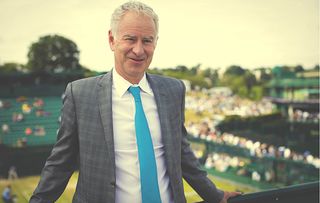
(251, 69)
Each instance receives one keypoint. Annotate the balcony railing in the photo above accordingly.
(304, 193)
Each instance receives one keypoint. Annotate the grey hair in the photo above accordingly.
(135, 6)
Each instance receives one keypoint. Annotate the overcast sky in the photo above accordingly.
(215, 33)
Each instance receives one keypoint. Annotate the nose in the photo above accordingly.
(138, 49)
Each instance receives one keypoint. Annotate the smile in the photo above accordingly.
(137, 59)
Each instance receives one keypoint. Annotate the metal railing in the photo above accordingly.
(304, 193)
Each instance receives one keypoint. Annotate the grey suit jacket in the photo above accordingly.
(85, 138)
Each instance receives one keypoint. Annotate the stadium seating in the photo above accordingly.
(48, 122)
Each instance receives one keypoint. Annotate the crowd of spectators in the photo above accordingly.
(28, 106)
(227, 104)
(256, 148)
(304, 116)
(221, 105)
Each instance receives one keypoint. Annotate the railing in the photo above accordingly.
(304, 193)
(286, 170)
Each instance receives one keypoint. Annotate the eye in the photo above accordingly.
(147, 41)
(129, 39)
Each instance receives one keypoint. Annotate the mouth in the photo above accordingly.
(137, 60)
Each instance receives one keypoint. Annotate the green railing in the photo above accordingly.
(287, 172)
(304, 193)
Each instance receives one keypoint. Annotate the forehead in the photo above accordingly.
(134, 23)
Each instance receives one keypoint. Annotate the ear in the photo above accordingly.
(111, 40)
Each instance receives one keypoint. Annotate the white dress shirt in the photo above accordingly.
(126, 151)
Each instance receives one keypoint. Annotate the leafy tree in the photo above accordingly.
(182, 68)
(195, 69)
(11, 68)
(235, 70)
(298, 69)
(212, 75)
(250, 80)
(53, 53)
(265, 76)
(256, 93)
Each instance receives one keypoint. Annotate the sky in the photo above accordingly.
(213, 33)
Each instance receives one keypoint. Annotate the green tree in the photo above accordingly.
(195, 69)
(12, 68)
(235, 70)
(250, 80)
(182, 68)
(265, 76)
(53, 53)
(212, 75)
(298, 69)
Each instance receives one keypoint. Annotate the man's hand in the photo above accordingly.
(227, 195)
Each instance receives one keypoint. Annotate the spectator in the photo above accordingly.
(5, 128)
(12, 173)
(17, 117)
(39, 131)
(7, 197)
(20, 117)
(38, 103)
(28, 131)
(256, 176)
(26, 108)
(22, 99)
(5, 104)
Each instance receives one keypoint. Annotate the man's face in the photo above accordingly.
(133, 45)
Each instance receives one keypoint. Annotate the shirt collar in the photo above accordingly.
(121, 85)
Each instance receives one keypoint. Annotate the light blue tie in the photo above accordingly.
(148, 168)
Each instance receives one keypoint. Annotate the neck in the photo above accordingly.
(134, 79)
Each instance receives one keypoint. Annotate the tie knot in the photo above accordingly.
(135, 91)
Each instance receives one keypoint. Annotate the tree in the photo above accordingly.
(182, 68)
(265, 76)
(212, 75)
(250, 80)
(53, 53)
(12, 68)
(235, 71)
(298, 69)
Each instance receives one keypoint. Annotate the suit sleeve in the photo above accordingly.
(191, 169)
(64, 156)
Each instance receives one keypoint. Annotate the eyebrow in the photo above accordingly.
(133, 36)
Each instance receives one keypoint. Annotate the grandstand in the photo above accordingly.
(29, 120)
(44, 117)
(295, 92)
(285, 171)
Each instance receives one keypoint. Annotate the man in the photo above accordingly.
(105, 123)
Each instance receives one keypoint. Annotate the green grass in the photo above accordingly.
(23, 188)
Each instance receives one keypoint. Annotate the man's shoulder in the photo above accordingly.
(87, 81)
(87, 85)
(165, 79)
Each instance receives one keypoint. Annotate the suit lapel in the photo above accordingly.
(161, 96)
(105, 108)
